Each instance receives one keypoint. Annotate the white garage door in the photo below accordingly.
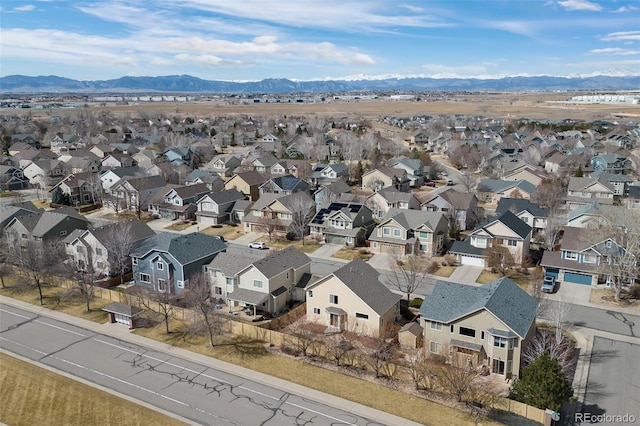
(122, 319)
(470, 260)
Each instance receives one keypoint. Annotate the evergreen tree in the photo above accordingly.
(578, 172)
(543, 384)
(59, 197)
(358, 172)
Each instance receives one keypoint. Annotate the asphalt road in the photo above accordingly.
(613, 387)
(598, 319)
(196, 392)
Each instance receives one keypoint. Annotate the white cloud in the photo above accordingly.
(622, 36)
(448, 71)
(25, 8)
(573, 5)
(614, 51)
(625, 9)
(525, 28)
(412, 8)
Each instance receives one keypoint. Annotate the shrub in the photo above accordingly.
(232, 224)
(416, 303)
(406, 313)
(291, 236)
(216, 226)
(433, 267)
(450, 259)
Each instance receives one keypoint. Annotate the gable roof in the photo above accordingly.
(412, 219)
(39, 224)
(459, 200)
(231, 264)
(280, 261)
(363, 280)
(392, 195)
(497, 185)
(510, 220)
(223, 196)
(503, 298)
(184, 248)
(251, 177)
(287, 182)
(518, 205)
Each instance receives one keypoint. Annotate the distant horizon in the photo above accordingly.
(319, 40)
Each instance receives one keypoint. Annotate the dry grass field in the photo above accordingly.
(34, 396)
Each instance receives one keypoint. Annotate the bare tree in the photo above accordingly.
(458, 380)
(83, 279)
(337, 347)
(379, 354)
(269, 222)
(119, 244)
(558, 314)
(408, 273)
(198, 297)
(37, 262)
(5, 256)
(113, 202)
(159, 301)
(302, 210)
(544, 342)
(555, 225)
(500, 259)
(549, 193)
(469, 182)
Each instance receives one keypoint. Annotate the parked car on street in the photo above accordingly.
(258, 245)
(549, 284)
(430, 183)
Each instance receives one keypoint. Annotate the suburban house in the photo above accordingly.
(264, 164)
(297, 168)
(216, 208)
(525, 172)
(462, 205)
(504, 236)
(348, 224)
(222, 272)
(586, 216)
(113, 176)
(178, 155)
(384, 177)
(612, 163)
(619, 182)
(492, 190)
(145, 158)
(7, 213)
(286, 185)
(45, 228)
(45, 173)
(117, 160)
(584, 190)
(212, 180)
(224, 164)
(578, 260)
(324, 174)
(95, 246)
(278, 211)
(390, 198)
(267, 285)
(178, 202)
(248, 183)
(413, 167)
(528, 212)
(81, 188)
(405, 232)
(633, 200)
(165, 262)
(353, 299)
(473, 326)
(327, 194)
(135, 193)
(12, 179)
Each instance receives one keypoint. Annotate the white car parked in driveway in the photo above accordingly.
(258, 245)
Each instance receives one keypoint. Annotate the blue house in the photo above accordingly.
(166, 261)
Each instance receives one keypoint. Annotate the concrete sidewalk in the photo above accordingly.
(123, 333)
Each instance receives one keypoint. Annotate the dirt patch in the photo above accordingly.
(605, 297)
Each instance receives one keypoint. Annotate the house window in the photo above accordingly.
(310, 293)
(482, 335)
(589, 258)
(63, 232)
(180, 284)
(160, 266)
(229, 281)
(435, 347)
(396, 232)
(362, 316)
(469, 332)
(375, 245)
(333, 299)
(512, 243)
(525, 219)
(386, 231)
(134, 261)
(144, 278)
(499, 342)
(162, 285)
(217, 290)
(571, 255)
(435, 325)
(451, 329)
(99, 251)
(424, 234)
(316, 311)
(257, 284)
(509, 366)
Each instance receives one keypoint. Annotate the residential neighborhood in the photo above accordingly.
(421, 247)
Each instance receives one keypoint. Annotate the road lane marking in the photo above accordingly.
(24, 346)
(223, 381)
(13, 313)
(42, 322)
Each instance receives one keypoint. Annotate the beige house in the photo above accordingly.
(384, 177)
(527, 173)
(248, 183)
(352, 299)
(584, 190)
(471, 326)
(278, 211)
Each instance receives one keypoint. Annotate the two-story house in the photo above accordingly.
(578, 260)
(619, 181)
(117, 160)
(286, 185)
(633, 200)
(384, 177)
(459, 206)
(528, 212)
(222, 272)
(165, 262)
(211, 179)
(12, 179)
(492, 190)
(178, 155)
(45, 173)
(525, 172)
(215, 208)
(391, 198)
(405, 232)
(348, 224)
(178, 202)
(589, 215)
(267, 285)
(297, 168)
(277, 211)
(263, 164)
(503, 235)
(584, 190)
(92, 249)
(248, 183)
(135, 193)
(325, 174)
(473, 326)
(327, 194)
(353, 299)
(81, 188)
(612, 163)
(113, 176)
(224, 164)
(413, 167)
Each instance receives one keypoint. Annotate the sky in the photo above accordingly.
(250, 40)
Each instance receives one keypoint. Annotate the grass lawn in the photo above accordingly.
(226, 231)
(348, 254)
(179, 226)
(41, 204)
(486, 277)
(34, 396)
(280, 243)
(444, 271)
(520, 279)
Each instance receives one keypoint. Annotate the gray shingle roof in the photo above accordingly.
(412, 219)
(280, 261)
(502, 297)
(497, 185)
(518, 205)
(185, 248)
(230, 264)
(363, 280)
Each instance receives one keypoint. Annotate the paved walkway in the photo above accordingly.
(123, 333)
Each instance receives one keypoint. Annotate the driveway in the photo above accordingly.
(326, 250)
(466, 274)
(381, 261)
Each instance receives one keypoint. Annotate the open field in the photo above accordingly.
(538, 106)
(35, 396)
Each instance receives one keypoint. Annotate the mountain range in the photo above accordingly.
(190, 84)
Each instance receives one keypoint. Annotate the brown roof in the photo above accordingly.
(251, 177)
